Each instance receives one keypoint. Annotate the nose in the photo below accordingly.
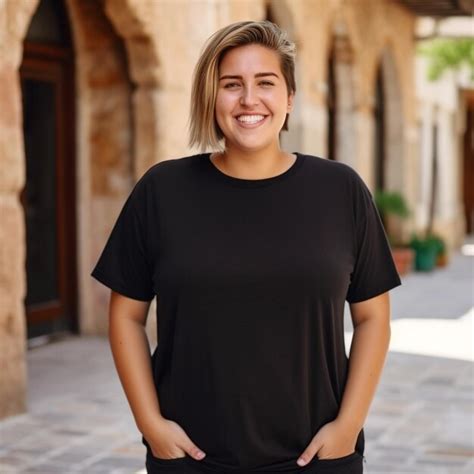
(249, 96)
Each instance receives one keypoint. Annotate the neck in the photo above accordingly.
(257, 164)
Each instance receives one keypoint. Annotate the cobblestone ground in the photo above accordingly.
(421, 420)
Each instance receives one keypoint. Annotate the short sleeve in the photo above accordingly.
(374, 270)
(126, 264)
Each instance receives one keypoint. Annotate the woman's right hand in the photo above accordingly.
(168, 440)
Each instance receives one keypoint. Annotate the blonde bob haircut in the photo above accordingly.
(204, 130)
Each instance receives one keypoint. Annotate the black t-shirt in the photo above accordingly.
(251, 277)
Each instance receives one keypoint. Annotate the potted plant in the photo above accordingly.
(392, 207)
(437, 245)
(426, 251)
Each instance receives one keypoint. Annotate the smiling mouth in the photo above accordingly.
(248, 120)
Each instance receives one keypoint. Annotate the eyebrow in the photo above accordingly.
(259, 74)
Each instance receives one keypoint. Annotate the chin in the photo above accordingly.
(251, 145)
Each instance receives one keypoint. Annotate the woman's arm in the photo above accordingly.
(370, 342)
(131, 353)
(369, 347)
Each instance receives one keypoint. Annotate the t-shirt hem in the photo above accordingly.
(374, 292)
(116, 286)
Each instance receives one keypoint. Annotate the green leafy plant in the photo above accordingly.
(447, 53)
(438, 242)
(391, 203)
(423, 243)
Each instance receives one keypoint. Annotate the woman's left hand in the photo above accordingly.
(333, 440)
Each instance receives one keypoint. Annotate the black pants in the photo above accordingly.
(350, 464)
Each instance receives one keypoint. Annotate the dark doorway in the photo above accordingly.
(48, 198)
(332, 105)
(379, 135)
(468, 171)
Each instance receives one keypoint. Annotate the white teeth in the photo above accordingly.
(250, 118)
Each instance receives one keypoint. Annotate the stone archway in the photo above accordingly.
(340, 96)
(390, 156)
(119, 83)
(145, 74)
(116, 74)
(105, 139)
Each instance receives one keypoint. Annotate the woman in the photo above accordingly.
(252, 252)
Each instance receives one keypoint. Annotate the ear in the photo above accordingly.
(291, 98)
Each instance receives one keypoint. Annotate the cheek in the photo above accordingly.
(224, 108)
(220, 114)
(279, 100)
(224, 103)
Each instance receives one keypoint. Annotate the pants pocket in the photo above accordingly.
(350, 464)
(156, 465)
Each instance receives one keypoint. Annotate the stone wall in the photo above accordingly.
(14, 18)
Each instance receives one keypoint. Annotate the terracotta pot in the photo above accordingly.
(403, 258)
(442, 260)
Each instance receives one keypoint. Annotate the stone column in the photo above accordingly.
(14, 19)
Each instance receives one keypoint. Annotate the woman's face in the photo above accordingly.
(252, 98)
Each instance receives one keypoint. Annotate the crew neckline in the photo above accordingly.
(252, 183)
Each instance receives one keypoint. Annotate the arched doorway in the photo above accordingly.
(82, 175)
(96, 157)
(340, 97)
(468, 162)
(48, 198)
(388, 125)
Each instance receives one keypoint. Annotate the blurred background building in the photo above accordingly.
(94, 92)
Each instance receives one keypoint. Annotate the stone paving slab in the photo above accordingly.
(421, 420)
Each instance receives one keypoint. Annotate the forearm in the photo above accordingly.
(131, 353)
(366, 360)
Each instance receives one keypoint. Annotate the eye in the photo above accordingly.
(267, 83)
(230, 84)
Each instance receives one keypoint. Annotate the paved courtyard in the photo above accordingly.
(421, 420)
